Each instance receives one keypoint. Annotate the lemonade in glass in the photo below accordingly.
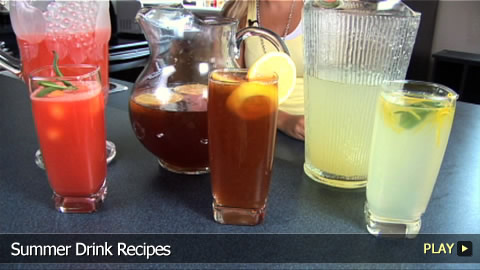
(411, 129)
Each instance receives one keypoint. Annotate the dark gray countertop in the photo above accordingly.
(143, 198)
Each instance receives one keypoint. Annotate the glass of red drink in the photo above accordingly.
(242, 117)
(70, 122)
(77, 31)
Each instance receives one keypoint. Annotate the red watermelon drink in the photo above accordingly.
(90, 48)
(68, 109)
(78, 31)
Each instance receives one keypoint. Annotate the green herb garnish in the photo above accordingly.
(411, 118)
(55, 64)
(52, 86)
(45, 91)
(67, 83)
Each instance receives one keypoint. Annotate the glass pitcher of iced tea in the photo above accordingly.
(168, 106)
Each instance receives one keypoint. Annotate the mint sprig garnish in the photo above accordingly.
(55, 64)
(411, 118)
(52, 86)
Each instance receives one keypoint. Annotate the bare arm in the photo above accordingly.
(292, 125)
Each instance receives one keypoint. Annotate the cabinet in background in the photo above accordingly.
(459, 71)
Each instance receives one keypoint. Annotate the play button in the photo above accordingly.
(464, 248)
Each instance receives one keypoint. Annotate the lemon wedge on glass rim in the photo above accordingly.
(278, 63)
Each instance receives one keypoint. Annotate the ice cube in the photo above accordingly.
(57, 112)
(53, 133)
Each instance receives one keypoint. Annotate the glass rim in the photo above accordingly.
(450, 96)
(243, 71)
(92, 69)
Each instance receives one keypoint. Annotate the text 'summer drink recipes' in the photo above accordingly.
(70, 124)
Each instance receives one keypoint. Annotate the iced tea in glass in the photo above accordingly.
(242, 117)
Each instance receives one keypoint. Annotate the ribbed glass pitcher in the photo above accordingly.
(351, 48)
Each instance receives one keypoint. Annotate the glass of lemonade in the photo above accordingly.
(412, 124)
(242, 117)
(70, 122)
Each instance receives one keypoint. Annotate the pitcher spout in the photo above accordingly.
(164, 20)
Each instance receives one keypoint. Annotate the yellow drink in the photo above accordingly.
(409, 139)
(339, 120)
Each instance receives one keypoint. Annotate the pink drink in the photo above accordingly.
(36, 51)
(71, 132)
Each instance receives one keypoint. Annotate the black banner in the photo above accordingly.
(237, 248)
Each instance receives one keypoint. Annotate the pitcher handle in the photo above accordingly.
(270, 36)
(10, 63)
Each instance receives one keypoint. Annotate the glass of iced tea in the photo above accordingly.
(242, 117)
(412, 124)
(68, 109)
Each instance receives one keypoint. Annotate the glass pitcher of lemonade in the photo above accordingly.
(168, 106)
(351, 48)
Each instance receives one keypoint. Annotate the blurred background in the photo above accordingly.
(447, 49)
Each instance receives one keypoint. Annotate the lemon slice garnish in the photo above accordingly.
(278, 63)
(191, 89)
(150, 99)
(252, 100)
(222, 77)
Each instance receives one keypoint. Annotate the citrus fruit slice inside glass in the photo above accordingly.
(150, 99)
(278, 63)
(253, 100)
(191, 89)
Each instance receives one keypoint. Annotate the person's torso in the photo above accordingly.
(255, 48)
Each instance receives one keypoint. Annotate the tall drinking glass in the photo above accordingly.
(70, 124)
(412, 125)
(78, 31)
(351, 47)
(242, 118)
